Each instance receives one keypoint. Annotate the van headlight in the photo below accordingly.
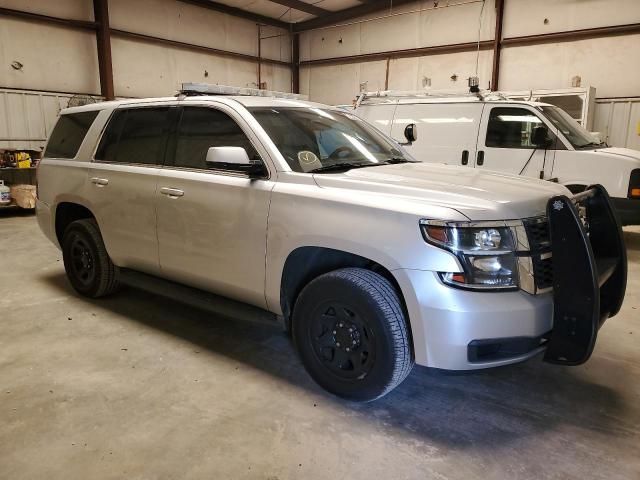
(486, 253)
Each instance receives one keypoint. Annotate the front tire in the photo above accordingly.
(351, 333)
(86, 260)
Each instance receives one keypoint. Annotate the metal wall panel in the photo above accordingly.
(27, 117)
(618, 121)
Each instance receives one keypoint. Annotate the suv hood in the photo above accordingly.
(476, 194)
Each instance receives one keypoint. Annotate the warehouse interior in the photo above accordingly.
(138, 385)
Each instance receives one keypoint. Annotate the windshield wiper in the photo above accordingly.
(396, 160)
(341, 166)
(593, 144)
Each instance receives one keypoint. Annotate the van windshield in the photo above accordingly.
(315, 140)
(572, 130)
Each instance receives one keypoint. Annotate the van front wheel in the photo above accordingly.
(351, 333)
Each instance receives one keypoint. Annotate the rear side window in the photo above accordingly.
(135, 136)
(511, 128)
(201, 128)
(68, 134)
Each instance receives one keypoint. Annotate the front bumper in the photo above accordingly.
(445, 321)
(456, 329)
(628, 210)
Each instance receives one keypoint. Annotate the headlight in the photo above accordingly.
(485, 253)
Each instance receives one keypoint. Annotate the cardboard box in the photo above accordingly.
(24, 195)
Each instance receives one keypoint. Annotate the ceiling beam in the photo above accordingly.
(333, 18)
(237, 12)
(302, 6)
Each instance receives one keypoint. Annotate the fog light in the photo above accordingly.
(486, 264)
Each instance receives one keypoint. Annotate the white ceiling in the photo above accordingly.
(286, 14)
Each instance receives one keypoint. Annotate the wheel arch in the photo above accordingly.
(576, 186)
(67, 212)
(306, 263)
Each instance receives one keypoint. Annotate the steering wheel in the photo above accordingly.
(338, 152)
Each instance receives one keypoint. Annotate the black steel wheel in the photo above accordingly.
(86, 260)
(350, 330)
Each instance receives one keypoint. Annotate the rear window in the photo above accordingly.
(135, 136)
(68, 134)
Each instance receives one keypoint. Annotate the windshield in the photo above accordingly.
(572, 130)
(313, 139)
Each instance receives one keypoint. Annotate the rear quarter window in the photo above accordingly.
(68, 134)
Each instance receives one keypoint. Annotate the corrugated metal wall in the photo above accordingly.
(27, 117)
(618, 121)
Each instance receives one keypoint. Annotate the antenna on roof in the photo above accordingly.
(193, 89)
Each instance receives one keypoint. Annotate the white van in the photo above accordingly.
(490, 132)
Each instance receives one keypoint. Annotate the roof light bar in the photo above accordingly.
(210, 89)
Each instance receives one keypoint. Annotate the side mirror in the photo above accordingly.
(411, 133)
(540, 137)
(234, 159)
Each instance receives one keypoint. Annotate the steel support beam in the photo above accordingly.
(295, 63)
(36, 17)
(103, 40)
(572, 35)
(407, 53)
(495, 71)
(193, 47)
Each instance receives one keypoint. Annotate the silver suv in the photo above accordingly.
(304, 214)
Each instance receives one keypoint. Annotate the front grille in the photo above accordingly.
(543, 272)
(540, 247)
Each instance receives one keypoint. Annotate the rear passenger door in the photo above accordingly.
(447, 132)
(212, 223)
(504, 143)
(123, 180)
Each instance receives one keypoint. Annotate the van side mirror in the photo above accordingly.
(411, 133)
(540, 137)
(234, 159)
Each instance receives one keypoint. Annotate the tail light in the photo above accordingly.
(634, 184)
(37, 172)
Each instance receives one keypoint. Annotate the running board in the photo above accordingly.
(197, 298)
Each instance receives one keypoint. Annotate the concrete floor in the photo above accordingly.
(137, 386)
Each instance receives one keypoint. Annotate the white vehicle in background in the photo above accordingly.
(489, 132)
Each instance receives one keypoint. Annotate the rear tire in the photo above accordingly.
(351, 333)
(86, 261)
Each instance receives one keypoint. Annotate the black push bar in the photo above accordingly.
(589, 272)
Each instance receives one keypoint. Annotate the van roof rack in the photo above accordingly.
(396, 94)
(193, 89)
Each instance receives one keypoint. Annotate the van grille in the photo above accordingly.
(540, 246)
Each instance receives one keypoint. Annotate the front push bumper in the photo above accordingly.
(589, 272)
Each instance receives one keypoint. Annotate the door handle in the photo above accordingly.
(480, 158)
(101, 182)
(465, 157)
(171, 192)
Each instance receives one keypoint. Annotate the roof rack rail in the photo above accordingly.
(192, 89)
(396, 94)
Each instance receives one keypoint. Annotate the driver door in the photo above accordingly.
(212, 223)
(505, 142)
